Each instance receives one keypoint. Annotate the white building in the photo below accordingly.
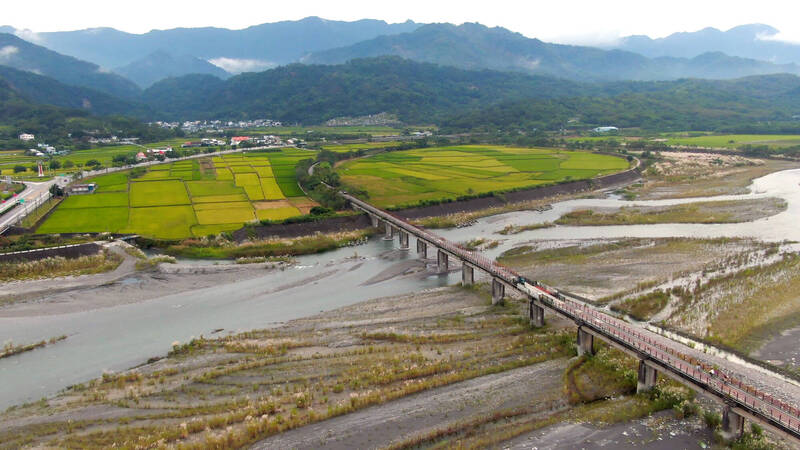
(26, 137)
(605, 129)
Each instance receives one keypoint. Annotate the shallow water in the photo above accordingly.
(117, 338)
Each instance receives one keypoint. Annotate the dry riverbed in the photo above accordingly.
(441, 367)
(728, 211)
(687, 174)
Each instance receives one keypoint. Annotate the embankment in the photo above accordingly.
(350, 223)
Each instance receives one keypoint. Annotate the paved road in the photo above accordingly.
(33, 194)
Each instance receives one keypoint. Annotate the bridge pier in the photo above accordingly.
(403, 239)
(389, 231)
(422, 248)
(467, 274)
(647, 377)
(498, 292)
(375, 221)
(732, 424)
(536, 315)
(441, 260)
(585, 343)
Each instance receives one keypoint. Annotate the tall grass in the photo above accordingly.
(58, 266)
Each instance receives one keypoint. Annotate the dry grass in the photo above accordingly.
(59, 267)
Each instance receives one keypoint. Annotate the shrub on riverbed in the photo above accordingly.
(198, 248)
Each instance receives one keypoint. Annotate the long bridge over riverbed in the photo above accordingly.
(657, 354)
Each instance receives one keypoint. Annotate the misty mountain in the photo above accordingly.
(257, 47)
(160, 64)
(746, 41)
(45, 90)
(474, 46)
(22, 55)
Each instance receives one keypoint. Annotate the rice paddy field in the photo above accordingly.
(188, 198)
(344, 148)
(736, 140)
(11, 158)
(405, 178)
(704, 139)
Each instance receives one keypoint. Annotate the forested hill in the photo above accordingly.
(45, 90)
(462, 100)
(53, 124)
(311, 94)
(753, 104)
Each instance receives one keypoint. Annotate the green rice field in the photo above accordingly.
(344, 148)
(736, 140)
(188, 198)
(406, 178)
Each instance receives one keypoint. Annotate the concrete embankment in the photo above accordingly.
(65, 251)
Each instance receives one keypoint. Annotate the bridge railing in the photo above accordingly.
(723, 385)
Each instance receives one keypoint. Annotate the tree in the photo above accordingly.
(56, 190)
(68, 164)
(92, 162)
(20, 169)
(54, 164)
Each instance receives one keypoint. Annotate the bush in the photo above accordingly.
(713, 420)
(19, 169)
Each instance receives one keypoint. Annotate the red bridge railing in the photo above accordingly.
(636, 338)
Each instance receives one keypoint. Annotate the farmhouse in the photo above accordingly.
(191, 144)
(236, 140)
(26, 137)
(159, 151)
(605, 129)
(206, 142)
(82, 188)
(141, 156)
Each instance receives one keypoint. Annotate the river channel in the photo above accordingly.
(119, 337)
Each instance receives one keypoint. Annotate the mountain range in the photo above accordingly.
(475, 46)
(159, 54)
(435, 73)
(159, 65)
(755, 41)
(264, 45)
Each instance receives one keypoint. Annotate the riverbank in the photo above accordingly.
(730, 211)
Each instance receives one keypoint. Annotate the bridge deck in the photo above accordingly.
(728, 385)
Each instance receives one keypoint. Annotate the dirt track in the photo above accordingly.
(536, 387)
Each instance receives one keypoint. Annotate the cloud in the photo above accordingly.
(530, 64)
(29, 35)
(591, 38)
(779, 37)
(7, 52)
(236, 65)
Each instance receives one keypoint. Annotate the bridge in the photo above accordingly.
(656, 354)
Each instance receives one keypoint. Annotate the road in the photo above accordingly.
(33, 195)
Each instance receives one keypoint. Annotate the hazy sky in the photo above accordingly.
(576, 21)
